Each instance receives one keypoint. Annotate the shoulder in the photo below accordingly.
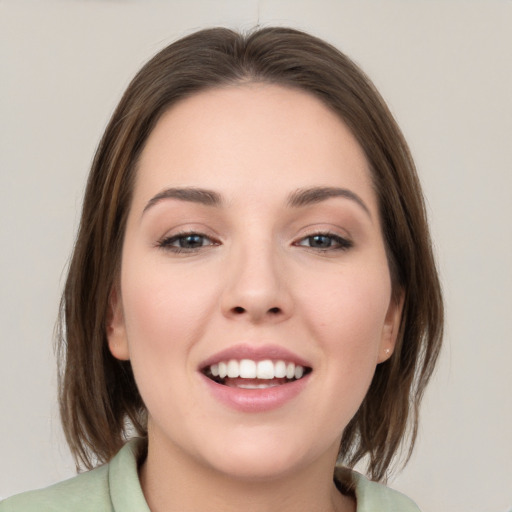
(87, 491)
(109, 488)
(373, 497)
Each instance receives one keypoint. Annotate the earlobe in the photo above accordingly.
(115, 327)
(391, 327)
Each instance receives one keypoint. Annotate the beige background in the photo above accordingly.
(445, 69)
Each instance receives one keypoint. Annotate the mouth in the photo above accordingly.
(253, 374)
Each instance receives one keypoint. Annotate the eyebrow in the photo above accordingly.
(297, 199)
(308, 196)
(190, 194)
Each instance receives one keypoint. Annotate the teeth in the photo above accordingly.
(233, 369)
(280, 369)
(257, 386)
(265, 369)
(249, 369)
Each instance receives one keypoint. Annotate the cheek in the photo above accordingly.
(347, 311)
(164, 307)
(344, 313)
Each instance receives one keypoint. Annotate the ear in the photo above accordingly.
(391, 327)
(116, 329)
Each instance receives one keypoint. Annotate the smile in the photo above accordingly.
(251, 374)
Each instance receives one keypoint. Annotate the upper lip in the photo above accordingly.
(259, 353)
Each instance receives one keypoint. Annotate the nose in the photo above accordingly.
(256, 286)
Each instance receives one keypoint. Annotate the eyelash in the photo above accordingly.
(166, 243)
(340, 243)
(337, 242)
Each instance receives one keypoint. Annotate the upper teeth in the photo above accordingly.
(249, 369)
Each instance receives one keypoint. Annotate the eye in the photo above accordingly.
(325, 242)
(186, 242)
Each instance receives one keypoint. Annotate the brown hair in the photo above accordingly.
(100, 403)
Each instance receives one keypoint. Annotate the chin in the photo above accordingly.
(258, 468)
(259, 460)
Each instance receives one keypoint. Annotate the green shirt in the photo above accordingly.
(115, 487)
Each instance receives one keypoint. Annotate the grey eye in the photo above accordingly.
(191, 241)
(186, 242)
(325, 241)
(320, 241)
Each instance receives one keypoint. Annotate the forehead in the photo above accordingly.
(261, 138)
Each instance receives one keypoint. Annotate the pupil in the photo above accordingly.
(321, 241)
(191, 241)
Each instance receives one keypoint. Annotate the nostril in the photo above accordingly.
(274, 311)
(239, 309)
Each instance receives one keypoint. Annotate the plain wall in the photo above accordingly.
(445, 70)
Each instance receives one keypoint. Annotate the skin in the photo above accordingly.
(257, 277)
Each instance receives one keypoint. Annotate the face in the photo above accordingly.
(255, 298)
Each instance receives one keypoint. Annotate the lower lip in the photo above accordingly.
(256, 400)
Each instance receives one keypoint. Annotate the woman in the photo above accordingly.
(252, 295)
